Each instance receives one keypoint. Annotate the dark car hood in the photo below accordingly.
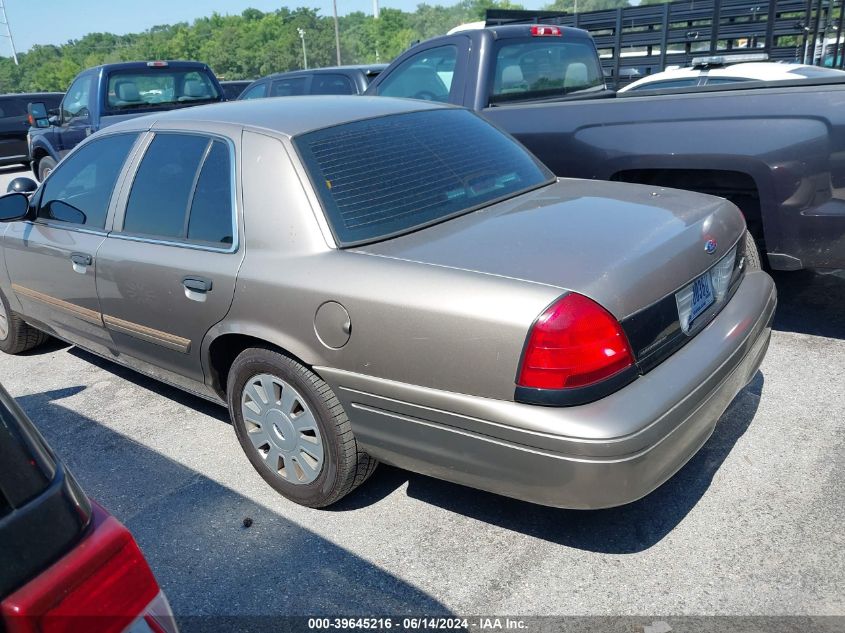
(625, 246)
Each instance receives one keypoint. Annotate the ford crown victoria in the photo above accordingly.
(368, 279)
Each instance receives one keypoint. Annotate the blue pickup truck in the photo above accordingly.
(104, 95)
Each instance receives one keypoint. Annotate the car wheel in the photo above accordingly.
(752, 253)
(16, 335)
(45, 166)
(294, 430)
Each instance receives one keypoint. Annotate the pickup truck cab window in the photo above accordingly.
(545, 67)
(75, 103)
(427, 75)
(84, 182)
(154, 87)
(182, 191)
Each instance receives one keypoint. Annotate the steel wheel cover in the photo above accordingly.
(282, 429)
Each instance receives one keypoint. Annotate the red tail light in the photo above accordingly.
(574, 343)
(538, 30)
(101, 586)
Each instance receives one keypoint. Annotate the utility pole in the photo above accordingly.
(336, 31)
(375, 17)
(304, 54)
(4, 21)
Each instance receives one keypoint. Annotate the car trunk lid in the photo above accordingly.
(624, 246)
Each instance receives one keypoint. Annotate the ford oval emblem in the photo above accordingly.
(710, 246)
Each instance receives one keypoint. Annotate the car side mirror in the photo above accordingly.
(14, 207)
(37, 114)
(22, 185)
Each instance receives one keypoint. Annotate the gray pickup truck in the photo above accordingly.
(775, 149)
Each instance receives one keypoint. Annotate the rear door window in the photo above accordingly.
(292, 87)
(210, 216)
(84, 181)
(183, 191)
(12, 108)
(328, 84)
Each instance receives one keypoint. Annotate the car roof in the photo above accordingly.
(284, 116)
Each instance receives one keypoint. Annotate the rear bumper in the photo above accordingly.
(606, 453)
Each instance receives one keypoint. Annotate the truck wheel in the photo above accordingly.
(752, 253)
(293, 429)
(16, 335)
(45, 166)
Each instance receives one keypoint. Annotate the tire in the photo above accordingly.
(16, 335)
(45, 166)
(282, 433)
(752, 253)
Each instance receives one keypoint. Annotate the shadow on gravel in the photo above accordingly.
(50, 345)
(624, 530)
(191, 531)
(156, 386)
(809, 303)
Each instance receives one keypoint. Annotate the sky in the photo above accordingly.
(57, 21)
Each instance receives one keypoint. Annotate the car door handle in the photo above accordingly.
(81, 262)
(197, 284)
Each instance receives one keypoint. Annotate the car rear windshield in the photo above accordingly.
(545, 68)
(382, 177)
(157, 87)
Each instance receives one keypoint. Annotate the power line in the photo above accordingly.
(5, 22)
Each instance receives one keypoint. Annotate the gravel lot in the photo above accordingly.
(753, 525)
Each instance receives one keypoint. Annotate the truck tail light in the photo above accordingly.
(540, 30)
(100, 586)
(574, 343)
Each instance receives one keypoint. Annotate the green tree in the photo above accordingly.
(248, 45)
(586, 5)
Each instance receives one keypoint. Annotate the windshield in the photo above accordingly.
(133, 89)
(545, 67)
(382, 177)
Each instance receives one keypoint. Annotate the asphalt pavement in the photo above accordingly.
(752, 525)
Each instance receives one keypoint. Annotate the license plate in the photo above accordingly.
(694, 299)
